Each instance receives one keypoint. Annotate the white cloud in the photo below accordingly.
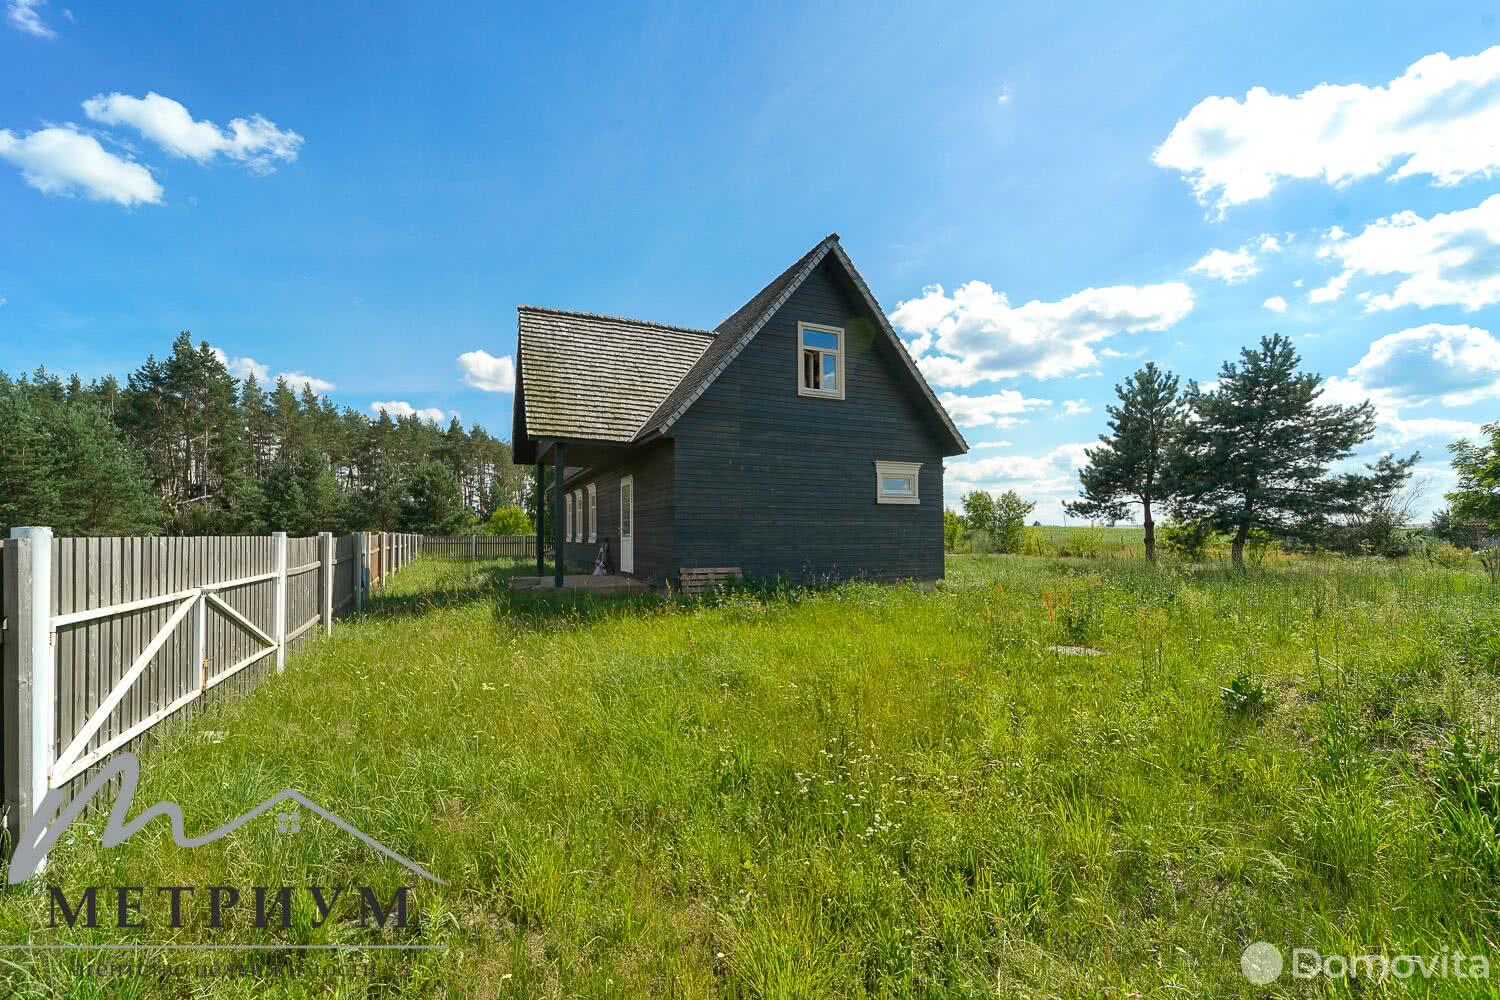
(1228, 266)
(25, 15)
(1275, 303)
(1003, 97)
(300, 380)
(1450, 365)
(1048, 479)
(400, 408)
(1438, 119)
(254, 141)
(61, 160)
(1270, 244)
(1001, 409)
(1452, 258)
(242, 368)
(975, 335)
(483, 370)
(1454, 364)
(1332, 291)
(992, 444)
(1076, 407)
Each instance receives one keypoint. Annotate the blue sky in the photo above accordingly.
(362, 194)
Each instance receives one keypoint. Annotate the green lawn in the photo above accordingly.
(865, 792)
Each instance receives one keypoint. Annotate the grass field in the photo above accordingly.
(868, 791)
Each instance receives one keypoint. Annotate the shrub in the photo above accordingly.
(1245, 696)
(1446, 555)
(953, 530)
(1086, 543)
(1188, 540)
(509, 521)
(1035, 543)
(1489, 558)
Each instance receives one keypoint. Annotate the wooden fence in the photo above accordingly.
(479, 546)
(105, 638)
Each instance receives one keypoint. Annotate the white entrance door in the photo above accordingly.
(627, 524)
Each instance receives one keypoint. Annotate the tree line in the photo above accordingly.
(1251, 456)
(185, 447)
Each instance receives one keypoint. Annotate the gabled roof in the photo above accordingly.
(734, 334)
(603, 378)
(592, 377)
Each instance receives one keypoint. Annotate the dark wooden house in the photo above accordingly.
(796, 439)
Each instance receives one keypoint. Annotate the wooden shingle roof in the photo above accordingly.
(592, 377)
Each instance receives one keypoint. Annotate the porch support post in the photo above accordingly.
(541, 507)
(559, 466)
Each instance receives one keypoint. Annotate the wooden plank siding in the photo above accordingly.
(653, 469)
(783, 485)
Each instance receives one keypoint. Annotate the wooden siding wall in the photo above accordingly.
(652, 468)
(784, 485)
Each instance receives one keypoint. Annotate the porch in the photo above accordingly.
(581, 583)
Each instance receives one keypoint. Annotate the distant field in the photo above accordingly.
(1112, 538)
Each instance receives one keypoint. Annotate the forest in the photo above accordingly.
(184, 447)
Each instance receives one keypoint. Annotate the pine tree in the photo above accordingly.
(1257, 449)
(1131, 466)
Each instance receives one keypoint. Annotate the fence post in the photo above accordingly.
(325, 580)
(278, 559)
(35, 672)
(200, 639)
(361, 570)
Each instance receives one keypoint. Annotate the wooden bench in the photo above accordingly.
(697, 580)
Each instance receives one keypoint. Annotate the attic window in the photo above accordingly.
(896, 482)
(820, 361)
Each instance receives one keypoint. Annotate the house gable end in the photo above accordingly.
(736, 334)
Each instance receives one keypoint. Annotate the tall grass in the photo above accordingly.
(863, 791)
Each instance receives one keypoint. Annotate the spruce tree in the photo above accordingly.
(1257, 449)
(1132, 464)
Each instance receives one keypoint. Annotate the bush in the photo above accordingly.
(953, 530)
(1447, 556)
(1085, 543)
(1188, 540)
(509, 521)
(1035, 543)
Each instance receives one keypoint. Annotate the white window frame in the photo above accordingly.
(802, 388)
(894, 470)
(578, 515)
(568, 517)
(593, 510)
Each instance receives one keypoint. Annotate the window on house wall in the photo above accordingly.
(568, 518)
(578, 514)
(593, 509)
(820, 361)
(896, 482)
